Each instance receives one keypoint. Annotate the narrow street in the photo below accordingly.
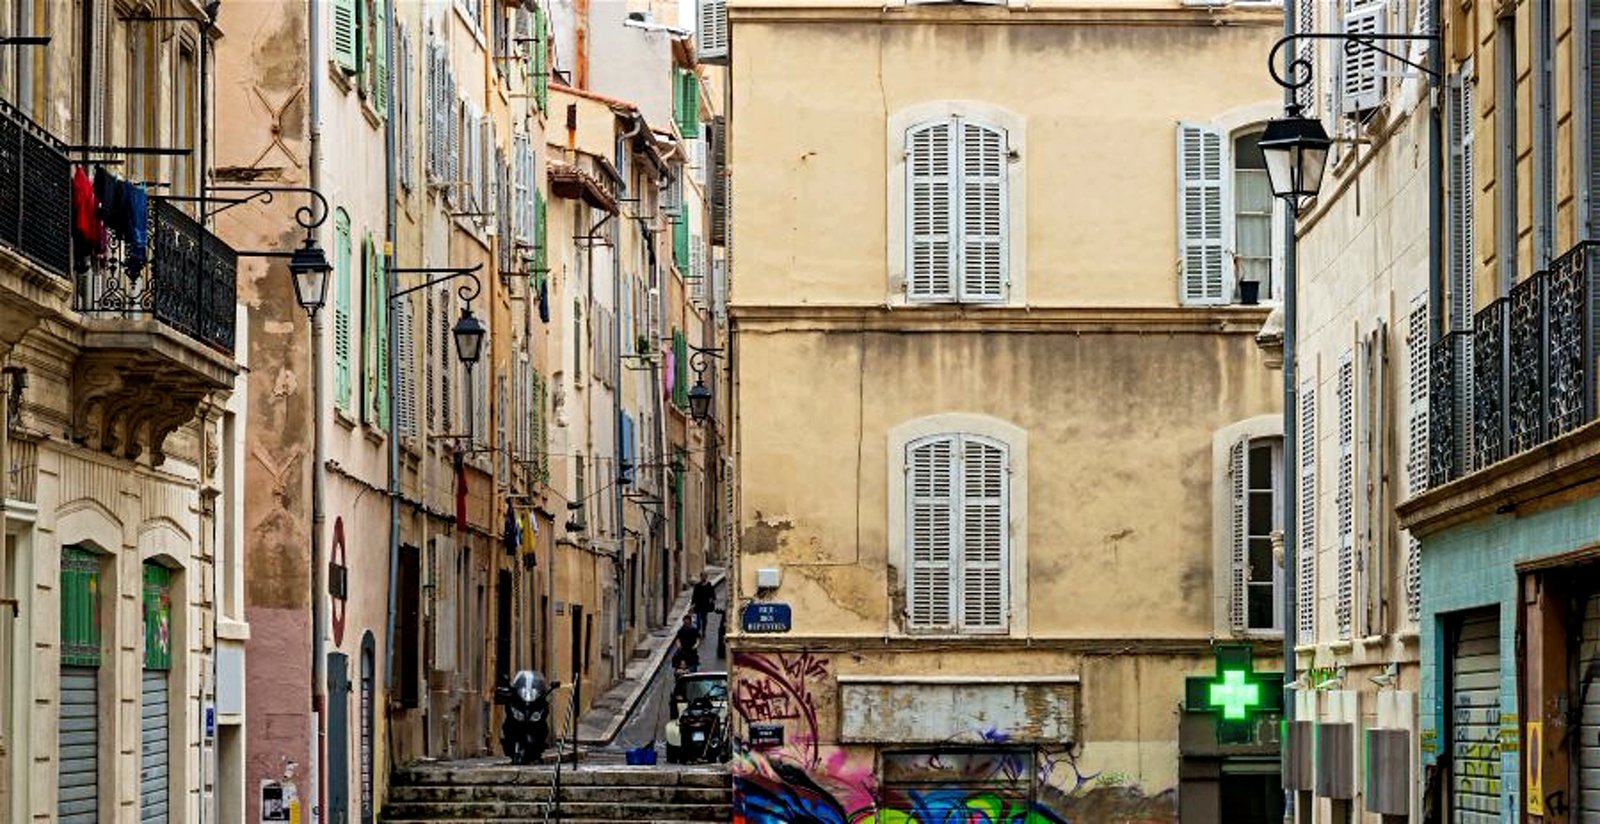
(648, 719)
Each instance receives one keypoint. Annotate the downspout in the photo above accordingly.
(393, 365)
(1290, 521)
(1436, 261)
(617, 504)
(319, 440)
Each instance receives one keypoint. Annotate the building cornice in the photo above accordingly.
(1197, 320)
(1263, 16)
(904, 644)
(1566, 465)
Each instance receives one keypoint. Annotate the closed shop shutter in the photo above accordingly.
(1588, 755)
(154, 748)
(79, 780)
(1475, 721)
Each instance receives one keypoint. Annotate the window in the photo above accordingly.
(1254, 468)
(1227, 226)
(341, 310)
(957, 533)
(186, 125)
(957, 211)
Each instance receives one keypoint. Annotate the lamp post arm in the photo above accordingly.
(1299, 68)
(698, 357)
(308, 216)
(467, 291)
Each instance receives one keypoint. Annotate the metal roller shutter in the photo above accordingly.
(154, 748)
(1588, 754)
(1475, 729)
(78, 783)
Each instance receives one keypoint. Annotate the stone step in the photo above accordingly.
(424, 793)
(570, 810)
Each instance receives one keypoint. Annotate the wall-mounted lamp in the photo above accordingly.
(17, 382)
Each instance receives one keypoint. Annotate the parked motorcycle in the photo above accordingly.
(525, 732)
(698, 731)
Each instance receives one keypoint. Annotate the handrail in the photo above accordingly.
(554, 801)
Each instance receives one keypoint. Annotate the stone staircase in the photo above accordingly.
(460, 794)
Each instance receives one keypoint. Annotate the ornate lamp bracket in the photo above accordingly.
(1296, 73)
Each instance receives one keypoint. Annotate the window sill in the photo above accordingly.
(343, 80)
(342, 418)
(373, 434)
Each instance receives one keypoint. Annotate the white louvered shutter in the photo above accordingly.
(1361, 70)
(1305, 22)
(931, 484)
(1202, 231)
(983, 535)
(429, 374)
(930, 207)
(1462, 200)
(406, 373)
(1239, 540)
(1346, 495)
(1306, 552)
(983, 230)
(1417, 345)
(711, 35)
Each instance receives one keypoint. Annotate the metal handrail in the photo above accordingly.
(554, 801)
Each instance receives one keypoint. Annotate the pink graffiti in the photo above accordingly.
(777, 687)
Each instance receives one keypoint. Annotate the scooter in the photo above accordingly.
(525, 733)
(698, 731)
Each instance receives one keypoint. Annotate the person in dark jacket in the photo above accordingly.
(686, 655)
(703, 601)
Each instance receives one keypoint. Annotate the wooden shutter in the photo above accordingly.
(1306, 551)
(380, 57)
(344, 25)
(380, 314)
(1417, 378)
(1202, 230)
(1462, 200)
(1591, 93)
(720, 193)
(711, 36)
(930, 212)
(341, 310)
(447, 362)
(1306, 22)
(1361, 70)
(541, 60)
(430, 333)
(1345, 605)
(984, 533)
(983, 229)
(1238, 539)
(930, 527)
(405, 375)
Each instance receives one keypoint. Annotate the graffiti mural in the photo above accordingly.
(780, 687)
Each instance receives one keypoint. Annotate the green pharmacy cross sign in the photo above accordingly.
(1236, 695)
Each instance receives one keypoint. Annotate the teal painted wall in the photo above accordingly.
(1474, 565)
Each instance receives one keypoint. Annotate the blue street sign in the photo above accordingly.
(766, 617)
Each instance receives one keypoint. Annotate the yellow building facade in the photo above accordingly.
(1003, 438)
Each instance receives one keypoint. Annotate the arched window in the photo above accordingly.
(957, 211)
(1226, 223)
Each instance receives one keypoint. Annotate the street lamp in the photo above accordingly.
(469, 332)
(310, 268)
(699, 400)
(1296, 151)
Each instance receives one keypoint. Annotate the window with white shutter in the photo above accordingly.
(1202, 195)
(1417, 345)
(711, 35)
(957, 212)
(1361, 71)
(1306, 549)
(1345, 605)
(958, 534)
(1255, 579)
(406, 374)
(1462, 199)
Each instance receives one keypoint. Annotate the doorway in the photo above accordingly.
(1252, 797)
(502, 628)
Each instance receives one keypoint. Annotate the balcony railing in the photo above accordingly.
(1525, 373)
(189, 282)
(35, 193)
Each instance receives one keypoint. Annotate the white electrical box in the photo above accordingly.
(768, 578)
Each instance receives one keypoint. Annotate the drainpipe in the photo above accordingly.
(319, 449)
(1436, 261)
(618, 151)
(1290, 567)
(393, 365)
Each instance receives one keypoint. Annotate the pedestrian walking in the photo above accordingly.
(703, 601)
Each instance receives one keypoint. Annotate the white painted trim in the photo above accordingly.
(1015, 127)
(1261, 426)
(1016, 440)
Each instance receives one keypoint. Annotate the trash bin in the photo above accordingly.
(642, 756)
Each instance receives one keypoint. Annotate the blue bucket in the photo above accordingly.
(641, 756)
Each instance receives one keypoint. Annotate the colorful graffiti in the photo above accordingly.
(778, 687)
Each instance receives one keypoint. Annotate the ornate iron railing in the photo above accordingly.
(1525, 365)
(189, 282)
(35, 193)
(1525, 373)
(1489, 384)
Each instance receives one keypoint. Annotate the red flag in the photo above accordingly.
(461, 490)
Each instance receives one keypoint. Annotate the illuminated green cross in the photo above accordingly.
(1237, 694)
(1234, 695)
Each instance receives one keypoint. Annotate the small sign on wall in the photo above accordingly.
(766, 736)
(766, 617)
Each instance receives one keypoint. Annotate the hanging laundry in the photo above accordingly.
(88, 233)
(138, 230)
(544, 298)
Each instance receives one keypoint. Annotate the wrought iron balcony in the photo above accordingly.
(1524, 375)
(35, 193)
(188, 282)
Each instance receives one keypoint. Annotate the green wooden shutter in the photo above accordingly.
(680, 376)
(541, 61)
(688, 103)
(157, 617)
(380, 56)
(80, 607)
(346, 35)
(541, 243)
(341, 310)
(680, 241)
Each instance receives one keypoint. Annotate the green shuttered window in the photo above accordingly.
(80, 607)
(157, 617)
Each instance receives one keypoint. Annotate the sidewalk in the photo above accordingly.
(598, 726)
